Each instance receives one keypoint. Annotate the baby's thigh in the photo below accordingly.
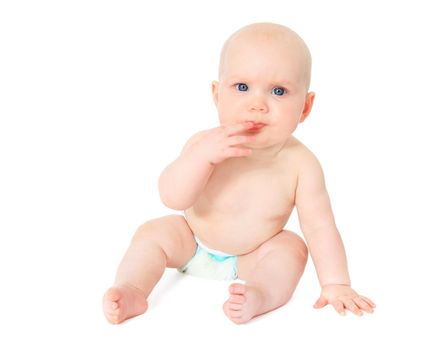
(284, 249)
(173, 235)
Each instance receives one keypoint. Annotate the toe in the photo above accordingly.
(235, 306)
(110, 304)
(111, 300)
(112, 317)
(237, 320)
(237, 288)
(235, 313)
(237, 298)
(226, 308)
(113, 294)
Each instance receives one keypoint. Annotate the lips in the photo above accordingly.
(256, 127)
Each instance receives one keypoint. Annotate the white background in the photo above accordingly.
(96, 97)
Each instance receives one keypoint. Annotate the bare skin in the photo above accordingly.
(123, 302)
(271, 272)
(238, 184)
(157, 244)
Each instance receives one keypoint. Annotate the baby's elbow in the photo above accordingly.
(172, 204)
(171, 201)
(172, 198)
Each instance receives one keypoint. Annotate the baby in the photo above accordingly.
(237, 185)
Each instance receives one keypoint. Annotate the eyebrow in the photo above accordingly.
(284, 82)
(276, 82)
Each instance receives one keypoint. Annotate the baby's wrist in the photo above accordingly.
(196, 153)
(199, 156)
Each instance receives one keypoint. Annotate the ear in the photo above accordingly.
(215, 91)
(308, 103)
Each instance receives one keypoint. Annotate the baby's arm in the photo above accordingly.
(183, 180)
(324, 241)
(318, 224)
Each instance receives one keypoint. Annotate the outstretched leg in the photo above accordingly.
(157, 244)
(271, 273)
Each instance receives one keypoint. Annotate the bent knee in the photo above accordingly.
(171, 233)
(299, 245)
(160, 228)
(292, 243)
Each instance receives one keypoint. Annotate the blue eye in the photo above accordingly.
(279, 91)
(242, 87)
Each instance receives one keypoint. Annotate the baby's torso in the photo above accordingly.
(244, 204)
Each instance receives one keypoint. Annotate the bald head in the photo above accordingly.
(265, 33)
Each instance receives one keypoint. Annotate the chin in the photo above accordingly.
(259, 145)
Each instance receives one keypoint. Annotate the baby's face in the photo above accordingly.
(263, 82)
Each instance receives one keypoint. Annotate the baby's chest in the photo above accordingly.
(262, 192)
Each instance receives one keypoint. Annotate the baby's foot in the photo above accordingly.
(244, 303)
(123, 302)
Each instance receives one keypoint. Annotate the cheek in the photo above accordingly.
(292, 110)
(285, 112)
(289, 117)
(227, 107)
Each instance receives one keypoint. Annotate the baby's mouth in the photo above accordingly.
(256, 127)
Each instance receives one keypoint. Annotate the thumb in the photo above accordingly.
(321, 302)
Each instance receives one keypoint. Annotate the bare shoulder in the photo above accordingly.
(306, 163)
(301, 155)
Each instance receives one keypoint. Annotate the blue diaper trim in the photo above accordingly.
(216, 257)
(209, 263)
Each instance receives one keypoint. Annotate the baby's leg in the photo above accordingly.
(167, 241)
(271, 273)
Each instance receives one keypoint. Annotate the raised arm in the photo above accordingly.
(183, 180)
(324, 241)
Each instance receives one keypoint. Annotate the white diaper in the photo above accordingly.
(210, 263)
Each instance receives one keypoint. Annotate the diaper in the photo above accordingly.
(210, 263)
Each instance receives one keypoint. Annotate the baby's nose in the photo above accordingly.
(258, 104)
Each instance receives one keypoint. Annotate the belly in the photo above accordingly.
(235, 237)
(238, 224)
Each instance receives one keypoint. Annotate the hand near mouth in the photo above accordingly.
(227, 141)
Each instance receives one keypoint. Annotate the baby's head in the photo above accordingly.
(283, 41)
(264, 76)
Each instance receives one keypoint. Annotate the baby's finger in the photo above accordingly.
(339, 307)
(351, 305)
(369, 301)
(234, 129)
(363, 305)
(239, 140)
